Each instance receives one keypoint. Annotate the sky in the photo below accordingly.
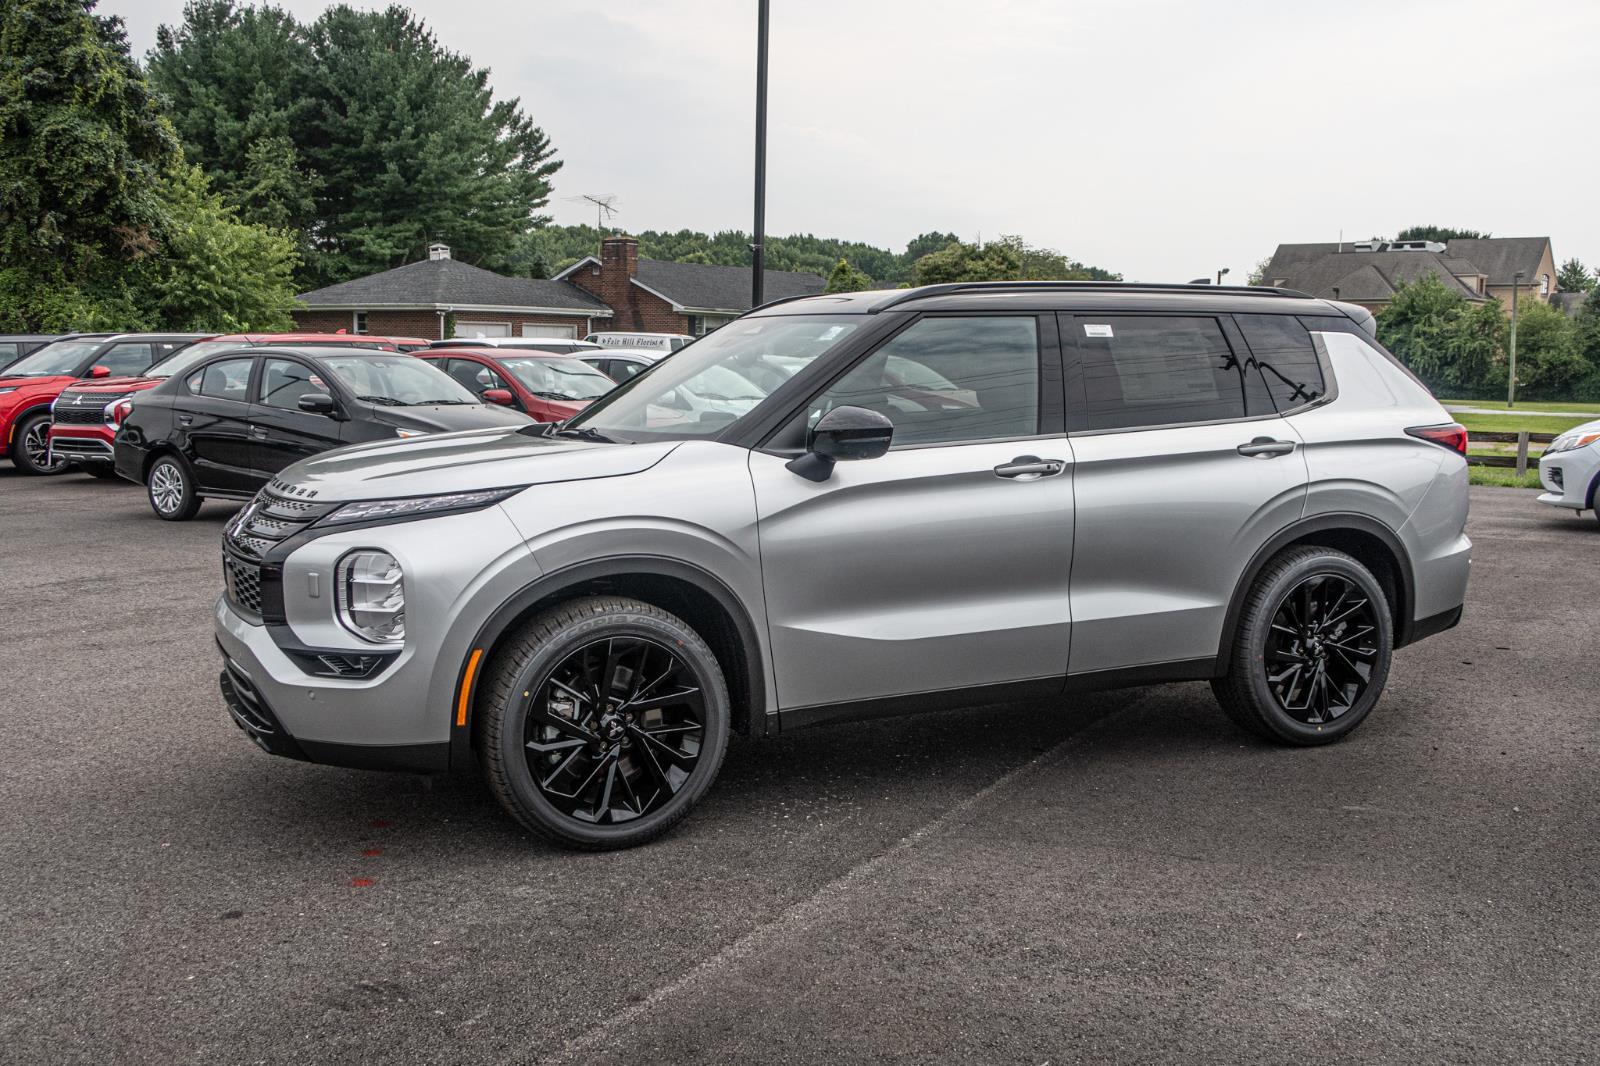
(1164, 139)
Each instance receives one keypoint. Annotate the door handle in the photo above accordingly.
(1266, 448)
(1029, 468)
(184, 420)
(258, 433)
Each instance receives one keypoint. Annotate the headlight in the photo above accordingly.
(1570, 441)
(371, 594)
(416, 506)
(405, 433)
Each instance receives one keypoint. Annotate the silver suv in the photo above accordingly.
(850, 505)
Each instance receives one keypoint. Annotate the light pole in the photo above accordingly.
(1511, 384)
(1220, 273)
(757, 252)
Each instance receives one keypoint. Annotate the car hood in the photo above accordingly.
(446, 418)
(462, 462)
(24, 383)
(114, 385)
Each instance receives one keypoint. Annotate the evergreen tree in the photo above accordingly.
(846, 278)
(1575, 277)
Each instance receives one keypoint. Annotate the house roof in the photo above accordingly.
(433, 283)
(1363, 277)
(1502, 257)
(707, 287)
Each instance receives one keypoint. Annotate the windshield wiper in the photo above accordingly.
(439, 403)
(555, 396)
(585, 433)
(384, 401)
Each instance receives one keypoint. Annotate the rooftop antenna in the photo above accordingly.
(605, 206)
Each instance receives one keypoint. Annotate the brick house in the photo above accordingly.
(663, 297)
(1368, 272)
(415, 300)
(616, 291)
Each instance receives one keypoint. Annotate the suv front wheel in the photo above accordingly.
(603, 721)
(1311, 652)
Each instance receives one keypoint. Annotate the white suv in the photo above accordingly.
(898, 502)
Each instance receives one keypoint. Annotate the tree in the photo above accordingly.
(1450, 343)
(1575, 277)
(84, 149)
(102, 224)
(924, 243)
(392, 140)
(846, 278)
(968, 262)
(236, 82)
(1549, 361)
(1047, 264)
(1258, 276)
(1438, 233)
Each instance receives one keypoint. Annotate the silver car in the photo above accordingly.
(952, 495)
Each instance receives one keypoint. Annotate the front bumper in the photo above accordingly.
(1569, 477)
(81, 444)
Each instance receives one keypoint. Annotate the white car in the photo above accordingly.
(663, 343)
(1570, 469)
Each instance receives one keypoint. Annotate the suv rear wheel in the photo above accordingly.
(603, 721)
(172, 489)
(30, 448)
(1312, 649)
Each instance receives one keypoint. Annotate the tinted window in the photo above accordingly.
(397, 380)
(227, 380)
(8, 352)
(949, 379)
(1156, 371)
(623, 369)
(59, 357)
(1283, 353)
(472, 375)
(189, 355)
(284, 381)
(126, 360)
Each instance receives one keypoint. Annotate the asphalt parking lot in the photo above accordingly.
(1119, 877)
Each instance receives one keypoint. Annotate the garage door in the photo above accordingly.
(483, 329)
(530, 329)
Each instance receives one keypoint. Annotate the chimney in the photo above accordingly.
(438, 251)
(619, 253)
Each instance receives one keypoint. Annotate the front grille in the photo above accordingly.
(269, 520)
(87, 415)
(242, 582)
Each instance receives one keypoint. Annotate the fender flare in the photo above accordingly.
(16, 420)
(1404, 575)
(553, 583)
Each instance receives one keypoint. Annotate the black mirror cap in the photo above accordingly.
(843, 434)
(847, 433)
(318, 403)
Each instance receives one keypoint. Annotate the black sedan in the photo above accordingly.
(224, 427)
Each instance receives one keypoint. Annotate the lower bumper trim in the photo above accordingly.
(1432, 625)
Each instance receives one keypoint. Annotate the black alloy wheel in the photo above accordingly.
(1311, 650)
(601, 722)
(1322, 649)
(31, 449)
(615, 730)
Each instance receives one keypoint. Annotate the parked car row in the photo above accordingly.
(192, 416)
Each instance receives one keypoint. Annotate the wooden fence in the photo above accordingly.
(1521, 439)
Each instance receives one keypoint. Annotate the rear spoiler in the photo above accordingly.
(1360, 316)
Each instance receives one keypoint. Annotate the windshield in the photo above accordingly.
(398, 381)
(60, 357)
(719, 378)
(558, 379)
(179, 361)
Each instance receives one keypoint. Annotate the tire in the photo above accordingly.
(1306, 666)
(103, 471)
(30, 447)
(171, 488)
(640, 770)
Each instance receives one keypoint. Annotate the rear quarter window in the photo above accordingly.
(1281, 349)
(1141, 372)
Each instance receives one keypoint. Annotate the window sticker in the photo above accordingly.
(1096, 330)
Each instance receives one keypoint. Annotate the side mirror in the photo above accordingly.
(99, 371)
(502, 397)
(318, 403)
(844, 433)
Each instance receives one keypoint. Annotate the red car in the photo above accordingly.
(543, 385)
(29, 386)
(86, 415)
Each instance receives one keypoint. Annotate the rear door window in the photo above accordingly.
(1285, 358)
(227, 380)
(1142, 371)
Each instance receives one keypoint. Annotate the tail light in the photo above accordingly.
(1451, 435)
(118, 413)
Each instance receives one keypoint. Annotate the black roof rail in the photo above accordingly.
(1080, 286)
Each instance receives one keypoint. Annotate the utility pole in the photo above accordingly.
(1511, 383)
(757, 251)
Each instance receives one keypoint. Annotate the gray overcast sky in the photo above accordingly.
(1160, 138)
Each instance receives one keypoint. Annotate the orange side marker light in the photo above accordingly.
(466, 686)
